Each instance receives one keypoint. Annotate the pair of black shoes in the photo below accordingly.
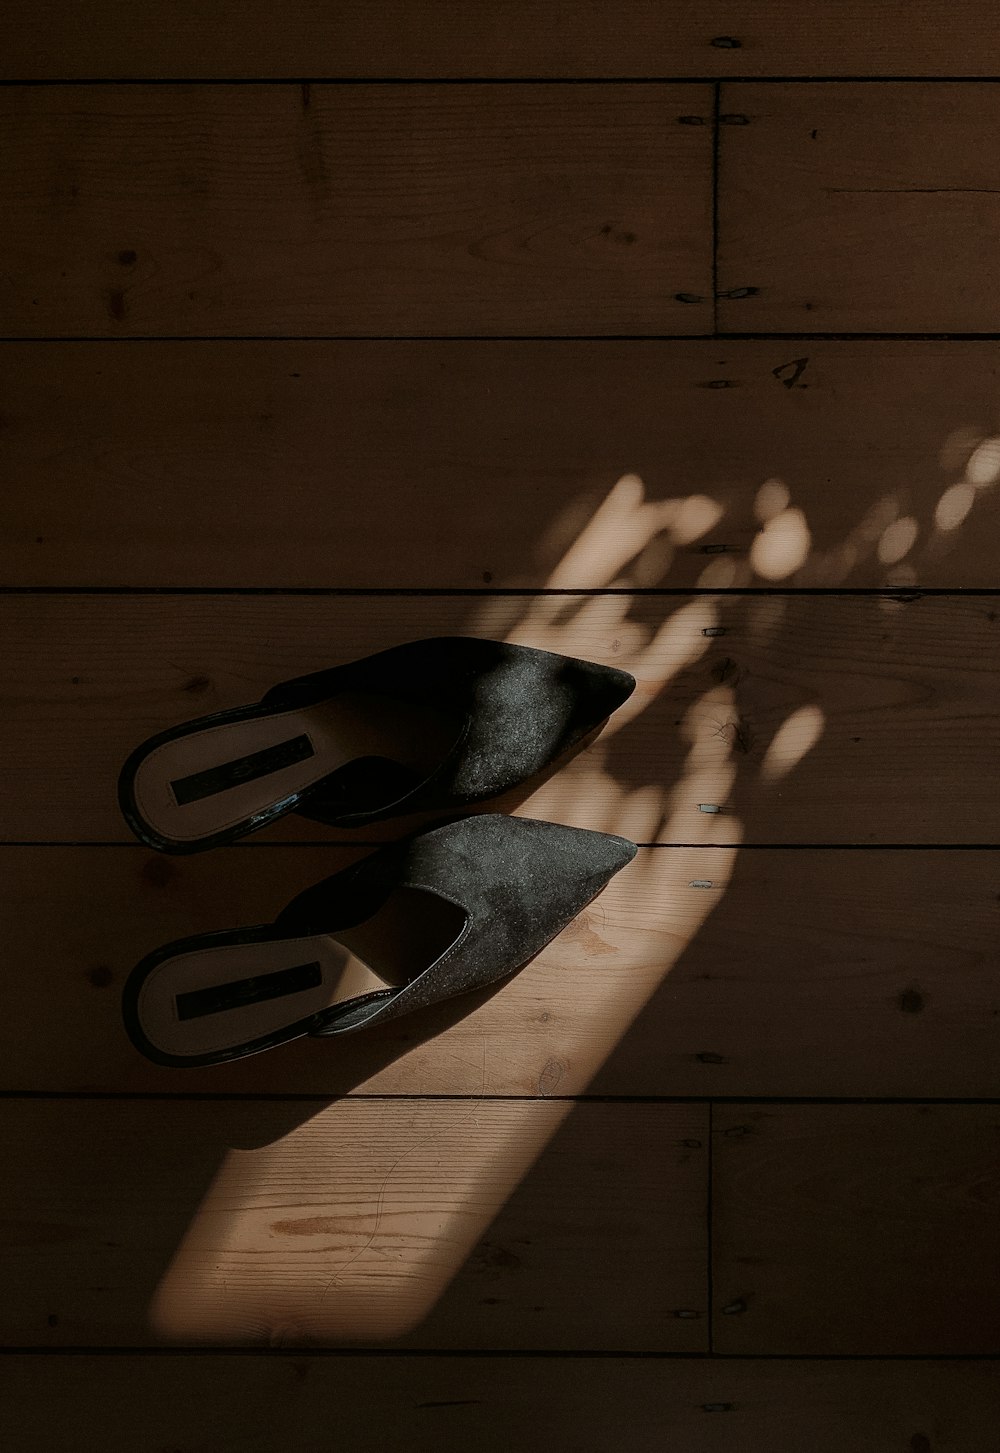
(431, 726)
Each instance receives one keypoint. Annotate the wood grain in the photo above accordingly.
(856, 1229)
(443, 38)
(355, 210)
(255, 1403)
(860, 208)
(806, 973)
(811, 719)
(461, 464)
(512, 1217)
(465, 1224)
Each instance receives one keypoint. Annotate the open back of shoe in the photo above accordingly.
(196, 787)
(222, 996)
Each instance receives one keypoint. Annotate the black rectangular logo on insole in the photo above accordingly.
(243, 769)
(241, 993)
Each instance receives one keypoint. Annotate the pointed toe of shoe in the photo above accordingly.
(602, 690)
(585, 855)
(618, 852)
(520, 881)
(560, 867)
(531, 708)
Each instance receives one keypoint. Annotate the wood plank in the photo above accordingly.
(861, 1229)
(194, 210)
(802, 974)
(812, 719)
(459, 464)
(818, 189)
(437, 1223)
(443, 38)
(400, 1404)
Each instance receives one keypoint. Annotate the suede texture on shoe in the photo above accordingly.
(516, 711)
(519, 881)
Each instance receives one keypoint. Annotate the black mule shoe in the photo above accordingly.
(435, 724)
(442, 913)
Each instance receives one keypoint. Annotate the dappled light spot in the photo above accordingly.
(680, 641)
(572, 627)
(611, 537)
(898, 540)
(782, 547)
(834, 566)
(621, 528)
(956, 449)
(796, 736)
(693, 518)
(983, 469)
(628, 492)
(877, 520)
(772, 498)
(954, 505)
(718, 574)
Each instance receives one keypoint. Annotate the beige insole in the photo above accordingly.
(279, 755)
(218, 998)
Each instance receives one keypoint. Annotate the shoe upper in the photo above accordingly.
(519, 882)
(516, 710)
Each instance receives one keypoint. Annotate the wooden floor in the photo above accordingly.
(661, 334)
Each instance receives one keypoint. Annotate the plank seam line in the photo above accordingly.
(813, 336)
(275, 1097)
(716, 157)
(539, 1353)
(706, 337)
(709, 1237)
(934, 78)
(905, 594)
